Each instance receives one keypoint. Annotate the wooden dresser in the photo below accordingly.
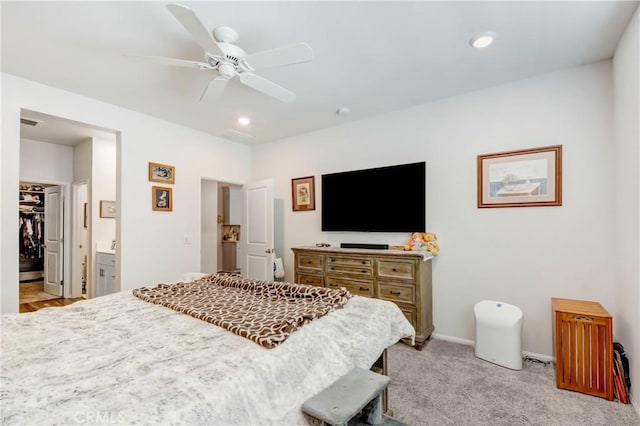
(402, 277)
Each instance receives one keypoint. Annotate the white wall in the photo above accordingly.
(522, 256)
(42, 161)
(103, 187)
(151, 244)
(626, 78)
(82, 158)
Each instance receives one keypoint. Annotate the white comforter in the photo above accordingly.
(119, 360)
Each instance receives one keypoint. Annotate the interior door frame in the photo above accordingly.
(75, 289)
(66, 232)
(218, 181)
(243, 236)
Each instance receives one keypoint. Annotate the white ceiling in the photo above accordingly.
(373, 57)
(60, 131)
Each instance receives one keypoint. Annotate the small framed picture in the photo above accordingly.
(162, 173)
(162, 199)
(107, 209)
(523, 178)
(303, 194)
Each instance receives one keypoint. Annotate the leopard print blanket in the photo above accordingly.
(262, 311)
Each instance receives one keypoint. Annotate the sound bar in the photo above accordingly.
(365, 246)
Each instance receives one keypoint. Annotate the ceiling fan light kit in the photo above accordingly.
(227, 60)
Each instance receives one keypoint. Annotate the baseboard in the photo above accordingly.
(453, 339)
(541, 357)
(467, 342)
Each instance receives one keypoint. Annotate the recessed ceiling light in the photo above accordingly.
(482, 40)
(243, 121)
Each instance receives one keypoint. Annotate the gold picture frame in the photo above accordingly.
(107, 209)
(522, 178)
(162, 173)
(303, 194)
(161, 199)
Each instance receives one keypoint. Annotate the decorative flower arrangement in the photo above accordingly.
(423, 241)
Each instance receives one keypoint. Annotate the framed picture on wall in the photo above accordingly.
(523, 178)
(162, 199)
(163, 173)
(303, 193)
(107, 209)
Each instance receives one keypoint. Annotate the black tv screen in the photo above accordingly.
(384, 199)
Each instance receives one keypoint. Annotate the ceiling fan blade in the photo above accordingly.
(174, 62)
(196, 28)
(215, 88)
(294, 54)
(267, 87)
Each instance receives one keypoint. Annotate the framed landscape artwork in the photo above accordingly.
(162, 173)
(523, 178)
(303, 194)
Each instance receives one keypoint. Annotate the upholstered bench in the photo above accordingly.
(353, 399)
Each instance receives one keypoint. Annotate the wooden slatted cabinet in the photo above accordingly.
(583, 346)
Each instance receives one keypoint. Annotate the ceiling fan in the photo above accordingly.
(228, 61)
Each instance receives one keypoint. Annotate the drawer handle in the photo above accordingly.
(332, 268)
(364, 271)
(308, 262)
(364, 288)
(364, 263)
(333, 260)
(397, 293)
(393, 269)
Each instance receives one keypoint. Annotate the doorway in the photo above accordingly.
(243, 214)
(221, 236)
(57, 151)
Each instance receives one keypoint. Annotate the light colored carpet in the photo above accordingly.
(445, 384)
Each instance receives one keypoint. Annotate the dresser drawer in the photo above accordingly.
(361, 272)
(310, 279)
(396, 269)
(311, 261)
(410, 314)
(396, 293)
(352, 261)
(359, 288)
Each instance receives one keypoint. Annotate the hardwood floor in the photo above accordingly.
(33, 291)
(34, 306)
(33, 297)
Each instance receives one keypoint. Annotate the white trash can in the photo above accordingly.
(499, 333)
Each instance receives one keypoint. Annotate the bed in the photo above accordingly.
(118, 359)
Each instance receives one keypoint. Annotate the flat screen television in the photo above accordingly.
(383, 199)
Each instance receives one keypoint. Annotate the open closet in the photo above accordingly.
(31, 222)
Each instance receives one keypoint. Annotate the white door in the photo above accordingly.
(257, 230)
(53, 240)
